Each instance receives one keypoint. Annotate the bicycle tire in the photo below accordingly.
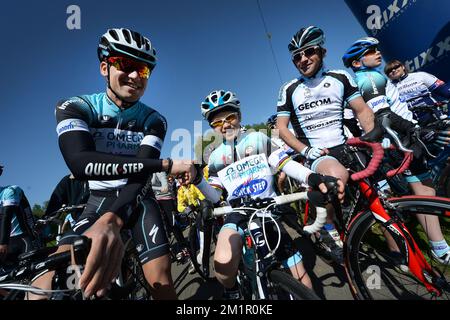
(135, 286)
(193, 251)
(366, 253)
(284, 286)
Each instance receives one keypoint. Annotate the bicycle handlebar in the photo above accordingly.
(81, 248)
(377, 158)
(67, 209)
(278, 200)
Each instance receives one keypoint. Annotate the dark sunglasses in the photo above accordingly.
(393, 68)
(308, 53)
(128, 65)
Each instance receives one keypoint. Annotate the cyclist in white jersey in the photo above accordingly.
(241, 166)
(314, 104)
(417, 89)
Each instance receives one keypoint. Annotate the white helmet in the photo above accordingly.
(126, 42)
(219, 100)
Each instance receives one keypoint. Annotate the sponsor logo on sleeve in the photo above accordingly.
(153, 141)
(71, 125)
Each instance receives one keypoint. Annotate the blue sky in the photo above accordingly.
(201, 46)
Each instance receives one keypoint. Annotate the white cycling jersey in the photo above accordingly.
(315, 106)
(415, 88)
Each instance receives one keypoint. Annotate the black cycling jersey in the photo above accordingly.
(116, 149)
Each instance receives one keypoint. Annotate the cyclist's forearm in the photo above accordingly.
(5, 223)
(86, 163)
(287, 136)
(210, 193)
(442, 91)
(363, 113)
(282, 161)
(127, 200)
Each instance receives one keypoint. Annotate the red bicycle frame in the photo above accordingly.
(416, 260)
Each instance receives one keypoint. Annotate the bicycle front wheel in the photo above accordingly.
(282, 286)
(375, 273)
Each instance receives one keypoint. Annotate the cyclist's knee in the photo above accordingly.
(333, 168)
(158, 270)
(228, 249)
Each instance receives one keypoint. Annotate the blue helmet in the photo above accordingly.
(219, 100)
(358, 49)
(272, 120)
(306, 37)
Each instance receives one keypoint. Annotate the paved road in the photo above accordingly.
(328, 282)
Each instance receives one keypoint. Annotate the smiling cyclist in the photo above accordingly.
(114, 140)
(253, 155)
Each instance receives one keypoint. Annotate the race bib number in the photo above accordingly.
(250, 176)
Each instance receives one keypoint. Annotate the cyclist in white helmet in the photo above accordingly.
(251, 155)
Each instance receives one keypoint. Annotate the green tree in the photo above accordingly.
(39, 210)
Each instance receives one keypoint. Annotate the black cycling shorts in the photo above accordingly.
(147, 228)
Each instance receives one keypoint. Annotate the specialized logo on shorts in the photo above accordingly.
(252, 187)
(153, 233)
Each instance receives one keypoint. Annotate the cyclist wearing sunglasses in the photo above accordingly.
(314, 104)
(418, 89)
(241, 166)
(365, 59)
(114, 141)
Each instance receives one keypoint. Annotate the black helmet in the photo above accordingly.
(306, 37)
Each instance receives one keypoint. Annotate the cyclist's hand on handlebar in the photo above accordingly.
(104, 259)
(328, 185)
(312, 153)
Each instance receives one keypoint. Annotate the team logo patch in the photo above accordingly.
(253, 188)
(105, 119)
(249, 150)
(131, 124)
